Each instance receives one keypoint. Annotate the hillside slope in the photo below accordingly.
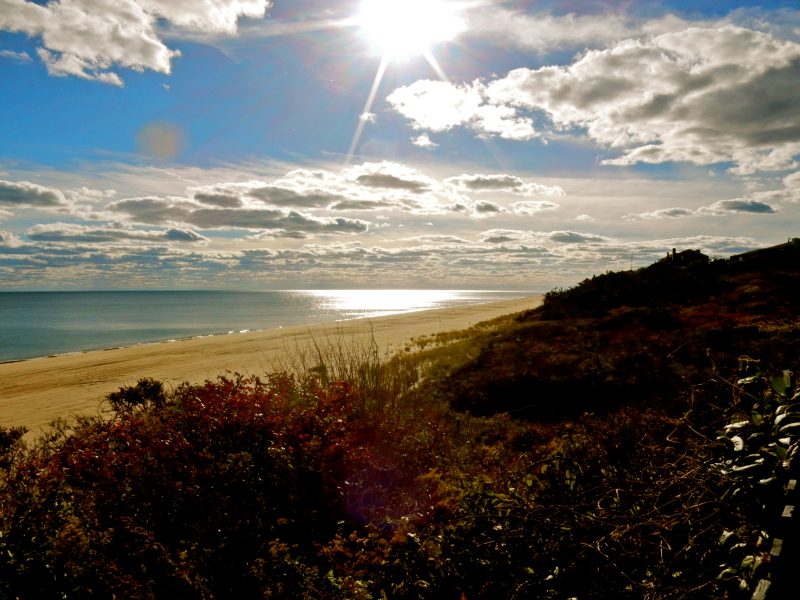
(637, 336)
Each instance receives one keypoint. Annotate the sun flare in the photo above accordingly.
(404, 28)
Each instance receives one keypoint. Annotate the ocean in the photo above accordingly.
(34, 324)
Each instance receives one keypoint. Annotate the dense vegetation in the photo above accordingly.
(610, 444)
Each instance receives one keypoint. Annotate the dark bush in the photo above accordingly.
(209, 493)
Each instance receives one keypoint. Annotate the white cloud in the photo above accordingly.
(791, 184)
(573, 237)
(743, 205)
(93, 69)
(368, 117)
(788, 193)
(180, 211)
(664, 213)
(543, 32)
(717, 209)
(17, 56)
(9, 240)
(73, 233)
(258, 226)
(89, 38)
(531, 207)
(89, 195)
(303, 202)
(501, 182)
(393, 176)
(26, 194)
(702, 95)
(214, 16)
(484, 208)
(522, 258)
(424, 141)
(440, 106)
(437, 105)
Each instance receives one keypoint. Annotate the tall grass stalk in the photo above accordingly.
(385, 382)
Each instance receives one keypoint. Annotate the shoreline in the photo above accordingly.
(36, 391)
(241, 332)
(88, 347)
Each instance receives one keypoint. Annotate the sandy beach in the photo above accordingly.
(35, 392)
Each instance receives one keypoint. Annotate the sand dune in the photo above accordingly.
(35, 392)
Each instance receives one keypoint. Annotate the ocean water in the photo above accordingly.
(34, 324)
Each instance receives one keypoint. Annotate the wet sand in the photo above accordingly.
(35, 392)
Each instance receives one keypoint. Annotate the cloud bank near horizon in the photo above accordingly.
(551, 146)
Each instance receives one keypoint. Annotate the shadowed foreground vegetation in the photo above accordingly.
(610, 444)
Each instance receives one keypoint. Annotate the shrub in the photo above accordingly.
(147, 392)
(211, 493)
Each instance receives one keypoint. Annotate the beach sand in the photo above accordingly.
(35, 392)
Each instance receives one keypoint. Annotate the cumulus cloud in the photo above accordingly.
(236, 195)
(282, 197)
(531, 207)
(86, 194)
(23, 57)
(702, 95)
(436, 239)
(542, 31)
(390, 175)
(73, 233)
(307, 200)
(664, 213)
(374, 186)
(218, 199)
(9, 240)
(572, 237)
(26, 194)
(214, 16)
(791, 187)
(240, 229)
(363, 205)
(385, 180)
(424, 141)
(157, 211)
(528, 259)
(484, 208)
(501, 236)
(500, 182)
(90, 38)
(738, 206)
(789, 192)
(717, 209)
(440, 106)
(176, 234)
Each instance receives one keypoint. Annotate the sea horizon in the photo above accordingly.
(35, 324)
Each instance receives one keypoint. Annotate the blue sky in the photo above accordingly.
(380, 143)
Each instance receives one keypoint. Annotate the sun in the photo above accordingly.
(406, 28)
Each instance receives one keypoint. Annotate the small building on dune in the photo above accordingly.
(686, 258)
(780, 254)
